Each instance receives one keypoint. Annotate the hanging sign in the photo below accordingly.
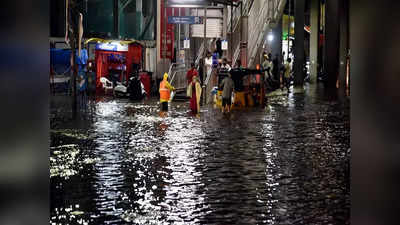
(186, 43)
(224, 45)
(112, 47)
(185, 20)
(193, 3)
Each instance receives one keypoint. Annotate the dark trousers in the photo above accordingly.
(286, 82)
(164, 106)
(201, 71)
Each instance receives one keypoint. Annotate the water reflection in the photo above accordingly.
(285, 164)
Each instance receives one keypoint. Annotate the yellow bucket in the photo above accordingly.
(239, 100)
(218, 99)
(250, 101)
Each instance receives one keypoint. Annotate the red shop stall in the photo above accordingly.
(116, 60)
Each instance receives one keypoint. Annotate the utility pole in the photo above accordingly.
(116, 18)
(165, 37)
(205, 30)
(241, 34)
(73, 34)
(288, 36)
(231, 37)
(179, 32)
(205, 52)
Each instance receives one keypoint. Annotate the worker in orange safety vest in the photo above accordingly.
(165, 92)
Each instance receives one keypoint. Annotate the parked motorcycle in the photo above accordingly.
(135, 89)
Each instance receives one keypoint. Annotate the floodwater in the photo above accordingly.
(121, 163)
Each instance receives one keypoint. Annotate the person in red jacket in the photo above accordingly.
(191, 73)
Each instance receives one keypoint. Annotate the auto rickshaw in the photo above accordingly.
(246, 95)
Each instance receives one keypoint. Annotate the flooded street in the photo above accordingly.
(121, 163)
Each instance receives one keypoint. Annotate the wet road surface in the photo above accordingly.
(121, 163)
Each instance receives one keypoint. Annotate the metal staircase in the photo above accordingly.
(259, 24)
(235, 34)
(262, 15)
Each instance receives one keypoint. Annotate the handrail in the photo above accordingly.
(260, 25)
(235, 20)
(256, 40)
(170, 68)
(236, 55)
(248, 8)
(206, 84)
(207, 80)
(281, 8)
(201, 53)
(178, 73)
(261, 18)
(172, 78)
(174, 74)
(146, 28)
(176, 65)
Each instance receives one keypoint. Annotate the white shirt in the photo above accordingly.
(226, 67)
(208, 61)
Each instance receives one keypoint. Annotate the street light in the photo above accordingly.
(270, 37)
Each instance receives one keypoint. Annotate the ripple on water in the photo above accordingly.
(286, 164)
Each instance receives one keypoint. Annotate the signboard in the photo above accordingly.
(224, 45)
(214, 27)
(167, 38)
(213, 30)
(182, 3)
(186, 43)
(185, 20)
(112, 47)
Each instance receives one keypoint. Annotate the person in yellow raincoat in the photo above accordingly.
(165, 92)
(194, 92)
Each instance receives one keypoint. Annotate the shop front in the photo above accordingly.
(117, 60)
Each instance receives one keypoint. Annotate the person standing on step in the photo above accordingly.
(191, 73)
(225, 66)
(208, 63)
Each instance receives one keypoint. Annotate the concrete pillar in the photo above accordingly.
(276, 42)
(314, 40)
(231, 37)
(225, 22)
(116, 19)
(225, 27)
(188, 55)
(299, 42)
(344, 5)
(139, 5)
(158, 40)
(205, 30)
(332, 42)
(244, 40)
